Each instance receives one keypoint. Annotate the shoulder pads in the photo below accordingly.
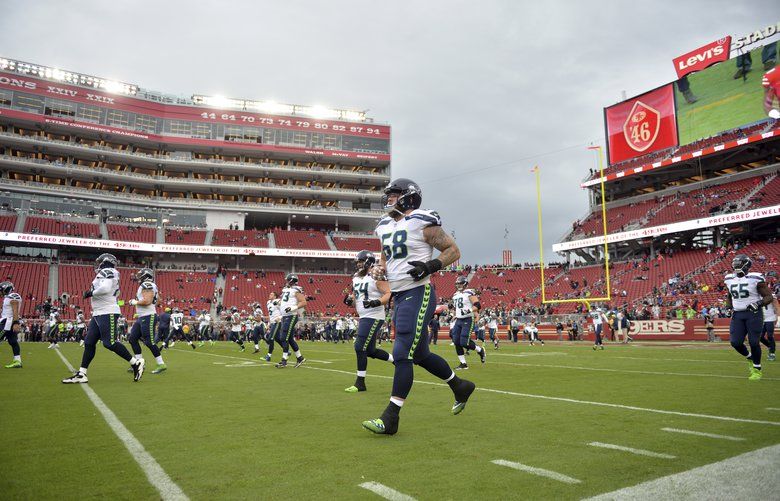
(147, 286)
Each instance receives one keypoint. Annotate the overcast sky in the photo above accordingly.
(476, 92)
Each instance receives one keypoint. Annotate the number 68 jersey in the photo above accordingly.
(743, 290)
(402, 242)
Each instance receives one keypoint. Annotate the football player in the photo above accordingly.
(408, 236)
(370, 295)
(599, 321)
(235, 328)
(466, 305)
(771, 84)
(164, 327)
(12, 307)
(143, 329)
(53, 327)
(258, 329)
(768, 335)
(204, 328)
(274, 322)
(103, 324)
(81, 325)
(178, 329)
(533, 333)
(492, 326)
(748, 293)
(292, 301)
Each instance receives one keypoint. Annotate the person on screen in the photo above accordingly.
(771, 83)
(745, 61)
(685, 89)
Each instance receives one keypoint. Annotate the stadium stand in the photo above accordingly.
(239, 238)
(8, 222)
(191, 291)
(132, 233)
(327, 292)
(300, 239)
(31, 280)
(245, 287)
(54, 226)
(356, 244)
(183, 236)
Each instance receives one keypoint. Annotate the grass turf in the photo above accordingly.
(724, 103)
(225, 424)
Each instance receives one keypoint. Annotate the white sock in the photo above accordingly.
(285, 355)
(83, 370)
(269, 355)
(139, 356)
(159, 360)
(479, 349)
(462, 358)
(390, 358)
(257, 346)
(361, 373)
(298, 353)
(18, 357)
(397, 401)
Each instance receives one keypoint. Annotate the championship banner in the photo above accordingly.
(697, 60)
(641, 125)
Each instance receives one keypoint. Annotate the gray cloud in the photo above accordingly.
(465, 85)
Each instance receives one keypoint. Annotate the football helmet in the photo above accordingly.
(106, 261)
(6, 288)
(364, 261)
(409, 196)
(291, 279)
(145, 274)
(461, 282)
(741, 264)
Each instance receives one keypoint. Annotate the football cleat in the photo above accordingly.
(76, 378)
(462, 394)
(16, 364)
(241, 348)
(282, 364)
(461, 367)
(379, 426)
(755, 374)
(482, 355)
(354, 389)
(138, 369)
(267, 358)
(299, 361)
(771, 356)
(256, 351)
(160, 368)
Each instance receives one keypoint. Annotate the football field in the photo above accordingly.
(546, 422)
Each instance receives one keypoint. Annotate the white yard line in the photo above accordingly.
(629, 371)
(638, 452)
(575, 401)
(260, 360)
(385, 491)
(773, 408)
(749, 474)
(702, 434)
(684, 360)
(154, 472)
(560, 477)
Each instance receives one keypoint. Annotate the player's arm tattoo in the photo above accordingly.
(766, 294)
(444, 243)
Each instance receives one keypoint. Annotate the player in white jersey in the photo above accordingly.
(178, 330)
(292, 302)
(143, 329)
(53, 328)
(465, 304)
(408, 236)
(258, 326)
(770, 319)
(532, 331)
(204, 328)
(273, 305)
(12, 308)
(492, 326)
(599, 321)
(81, 326)
(370, 294)
(748, 293)
(102, 325)
(235, 328)
(340, 329)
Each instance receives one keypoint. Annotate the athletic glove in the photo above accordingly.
(348, 300)
(371, 304)
(755, 307)
(774, 114)
(287, 309)
(133, 302)
(87, 294)
(421, 270)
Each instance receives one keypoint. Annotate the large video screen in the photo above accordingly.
(725, 96)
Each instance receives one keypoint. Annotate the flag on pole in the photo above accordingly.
(535, 169)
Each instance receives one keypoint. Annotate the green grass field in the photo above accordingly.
(226, 425)
(724, 103)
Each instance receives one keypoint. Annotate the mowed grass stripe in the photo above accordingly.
(154, 472)
(542, 397)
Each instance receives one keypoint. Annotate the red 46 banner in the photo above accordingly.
(641, 125)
